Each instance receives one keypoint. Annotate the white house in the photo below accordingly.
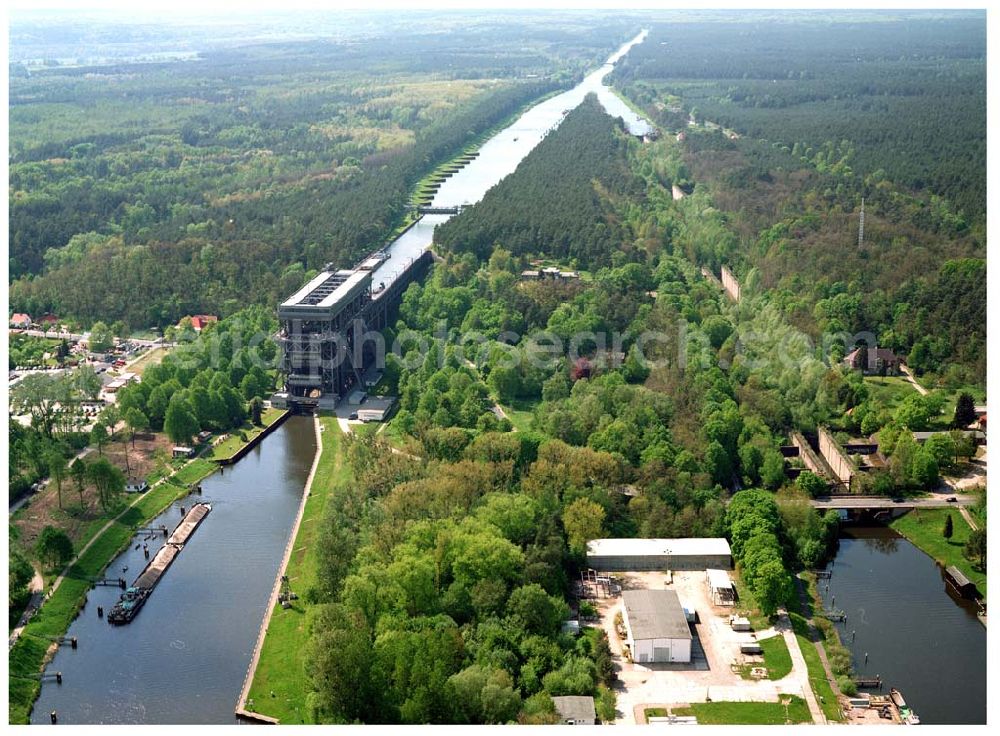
(657, 627)
(136, 485)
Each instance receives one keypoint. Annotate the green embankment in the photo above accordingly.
(281, 669)
(923, 528)
(234, 442)
(27, 657)
(793, 709)
(423, 191)
(777, 658)
(818, 680)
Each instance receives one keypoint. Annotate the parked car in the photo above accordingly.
(951, 499)
(353, 415)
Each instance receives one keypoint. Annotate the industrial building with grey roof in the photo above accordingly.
(659, 554)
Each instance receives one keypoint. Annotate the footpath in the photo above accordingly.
(799, 667)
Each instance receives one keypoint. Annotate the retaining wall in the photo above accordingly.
(730, 284)
(838, 460)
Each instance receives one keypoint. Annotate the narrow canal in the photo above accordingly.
(918, 634)
(183, 658)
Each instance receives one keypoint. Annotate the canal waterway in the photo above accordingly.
(918, 634)
(184, 656)
(502, 153)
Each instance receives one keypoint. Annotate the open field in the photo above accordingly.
(151, 357)
(889, 390)
(280, 683)
(520, 413)
(791, 709)
(923, 527)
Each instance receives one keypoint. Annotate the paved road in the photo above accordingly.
(939, 501)
(83, 336)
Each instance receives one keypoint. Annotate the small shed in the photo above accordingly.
(182, 451)
(720, 588)
(965, 587)
(575, 710)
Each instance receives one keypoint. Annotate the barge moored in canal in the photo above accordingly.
(135, 596)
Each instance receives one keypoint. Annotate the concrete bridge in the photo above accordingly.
(430, 210)
(878, 503)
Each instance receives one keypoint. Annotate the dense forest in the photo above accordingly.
(903, 99)
(559, 194)
(789, 173)
(198, 183)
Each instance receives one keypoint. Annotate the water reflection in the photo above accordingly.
(905, 623)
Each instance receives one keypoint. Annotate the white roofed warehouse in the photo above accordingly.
(659, 554)
(657, 627)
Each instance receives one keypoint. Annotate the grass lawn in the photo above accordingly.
(951, 398)
(234, 443)
(817, 678)
(152, 357)
(890, 390)
(923, 527)
(792, 710)
(520, 412)
(777, 658)
(281, 668)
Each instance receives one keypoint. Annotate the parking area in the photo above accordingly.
(715, 650)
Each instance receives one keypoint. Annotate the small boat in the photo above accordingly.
(128, 606)
(906, 715)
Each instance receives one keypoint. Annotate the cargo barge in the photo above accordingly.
(135, 596)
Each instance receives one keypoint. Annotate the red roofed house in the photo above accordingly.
(48, 319)
(20, 321)
(878, 360)
(201, 321)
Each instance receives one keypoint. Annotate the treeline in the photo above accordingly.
(909, 95)
(556, 201)
(228, 250)
(771, 537)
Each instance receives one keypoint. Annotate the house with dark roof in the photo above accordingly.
(872, 361)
